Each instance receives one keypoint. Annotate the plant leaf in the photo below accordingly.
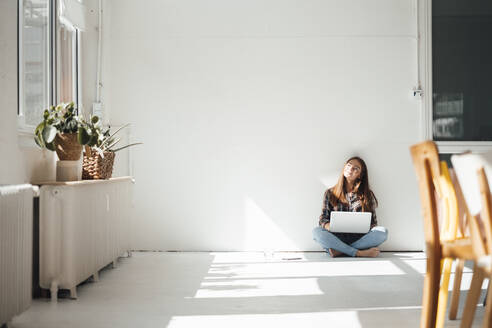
(112, 135)
(51, 146)
(121, 148)
(38, 140)
(82, 136)
(72, 125)
(113, 144)
(93, 140)
(49, 134)
(40, 127)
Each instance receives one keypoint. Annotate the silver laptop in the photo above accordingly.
(353, 222)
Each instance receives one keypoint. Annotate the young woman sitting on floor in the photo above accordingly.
(351, 193)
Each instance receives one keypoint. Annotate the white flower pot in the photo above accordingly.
(68, 170)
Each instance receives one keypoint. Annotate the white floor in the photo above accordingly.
(246, 290)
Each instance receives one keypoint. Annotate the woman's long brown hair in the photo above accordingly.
(361, 187)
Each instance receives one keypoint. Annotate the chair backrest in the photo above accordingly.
(426, 163)
(466, 167)
(449, 202)
(462, 209)
(439, 201)
(486, 213)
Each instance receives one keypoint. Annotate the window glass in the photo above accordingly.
(462, 67)
(33, 59)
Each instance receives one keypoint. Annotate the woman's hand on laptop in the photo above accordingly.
(327, 226)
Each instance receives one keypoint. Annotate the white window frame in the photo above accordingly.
(75, 59)
(424, 22)
(24, 129)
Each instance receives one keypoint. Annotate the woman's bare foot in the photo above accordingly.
(371, 252)
(334, 253)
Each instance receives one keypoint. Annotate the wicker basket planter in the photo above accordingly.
(96, 167)
(67, 147)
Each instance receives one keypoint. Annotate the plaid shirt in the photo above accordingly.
(354, 205)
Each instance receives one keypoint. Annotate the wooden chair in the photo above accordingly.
(473, 180)
(441, 248)
(456, 204)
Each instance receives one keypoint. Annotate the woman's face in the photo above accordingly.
(352, 170)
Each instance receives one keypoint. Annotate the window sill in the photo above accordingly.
(454, 147)
(25, 136)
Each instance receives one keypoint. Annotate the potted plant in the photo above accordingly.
(58, 132)
(65, 132)
(100, 148)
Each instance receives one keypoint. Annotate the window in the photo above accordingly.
(461, 70)
(34, 59)
(48, 59)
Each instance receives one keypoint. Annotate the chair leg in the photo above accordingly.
(443, 293)
(472, 298)
(485, 298)
(73, 293)
(95, 276)
(54, 291)
(430, 293)
(455, 297)
(487, 318)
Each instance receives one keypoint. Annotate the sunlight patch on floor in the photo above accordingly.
(419, 265)
(262, 287)
(410, 255)
(324, 319)
(302, 269)
(238, 257)
(466, 279)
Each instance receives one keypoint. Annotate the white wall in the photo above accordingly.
(88, 65)
(248, 110)
(20, 160)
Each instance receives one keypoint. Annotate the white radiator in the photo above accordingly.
(83, 226)
(15, 250)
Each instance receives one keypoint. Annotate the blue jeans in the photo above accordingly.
(375, 237)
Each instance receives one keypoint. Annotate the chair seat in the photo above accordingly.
(459, 248)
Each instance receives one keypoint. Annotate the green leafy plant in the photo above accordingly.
(94, 136)
(110, 141)
(59, 119)
(90, 133)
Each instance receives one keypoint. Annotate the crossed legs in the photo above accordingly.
(364, 247)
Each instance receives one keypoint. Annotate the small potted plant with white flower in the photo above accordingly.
(100, 148)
